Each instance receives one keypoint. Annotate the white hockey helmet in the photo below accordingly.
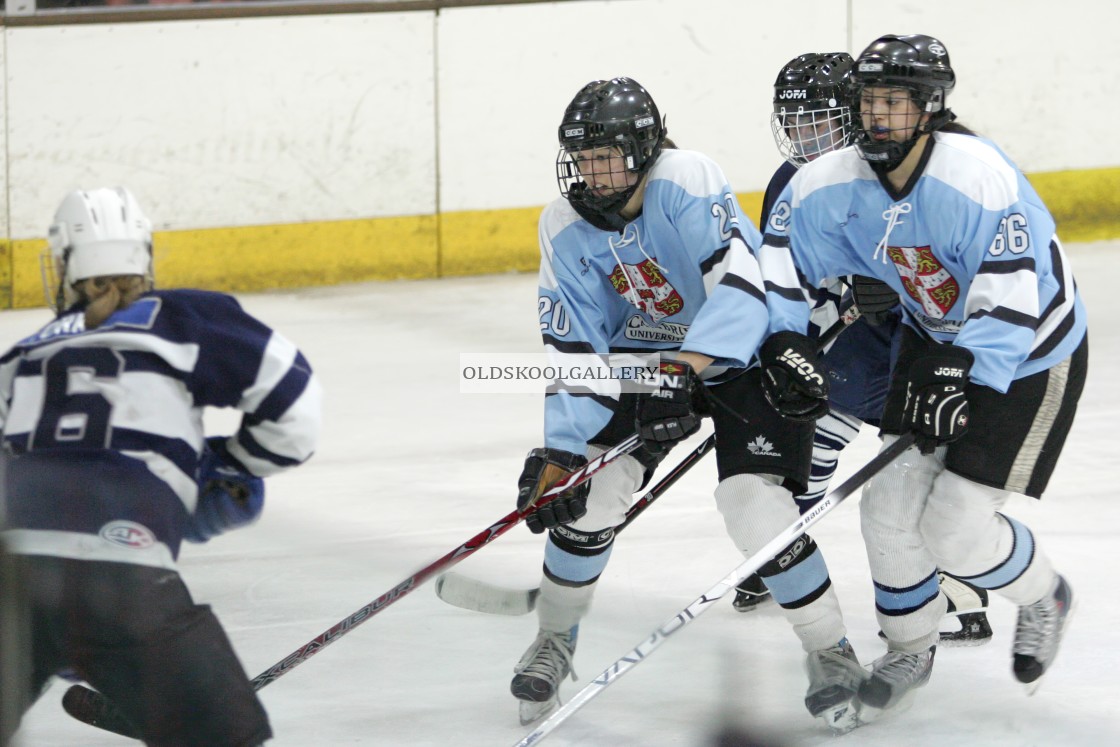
(96, 232)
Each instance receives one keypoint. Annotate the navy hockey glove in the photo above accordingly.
(543, 469)
(228, 496)
(936, 407)
(874, 299)
(674, 411)
(793, 378)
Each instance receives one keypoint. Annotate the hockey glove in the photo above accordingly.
(228, 496)
(674, 411)
(793, 379)
(543, 469)
(874, 299)
(936, 407)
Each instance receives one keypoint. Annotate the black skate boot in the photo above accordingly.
(538, 675)
(966, 615)
(834, 678)
(1038, 634)
(968, 607)
(751, 594)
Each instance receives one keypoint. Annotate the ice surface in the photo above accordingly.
(409, 468)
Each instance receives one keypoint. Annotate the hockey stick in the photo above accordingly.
(481, 596)
(651, 643)
(93, 708)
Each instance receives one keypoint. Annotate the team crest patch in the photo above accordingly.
(127, 534)
(655, 296)
(925, 279)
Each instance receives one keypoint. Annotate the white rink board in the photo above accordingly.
(226, 122)
(709, 74)
(282, 120)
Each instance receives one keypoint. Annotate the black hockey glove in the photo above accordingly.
(936, 407)
(674, 411)
(874, 299)
(793, 378)
(543, 469)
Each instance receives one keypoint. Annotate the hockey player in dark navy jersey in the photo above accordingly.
(632, 253)
(992, 359)
(812, 116)
(108, 470)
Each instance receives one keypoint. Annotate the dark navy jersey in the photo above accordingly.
(127, 399)
(774, 189)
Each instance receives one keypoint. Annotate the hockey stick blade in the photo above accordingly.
(90, 706)
(705, 601)
(481, 596)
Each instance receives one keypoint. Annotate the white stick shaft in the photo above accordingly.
(701, 605)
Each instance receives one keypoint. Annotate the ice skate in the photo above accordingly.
(966, 617)
(537, 677)
(894, 678)
(1038, 634)
(967, 613)
(751, 594)
(834, 677)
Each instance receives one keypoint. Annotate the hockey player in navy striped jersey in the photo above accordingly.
(109, 470)
(631, 256)
(811, 117)
(991, 364)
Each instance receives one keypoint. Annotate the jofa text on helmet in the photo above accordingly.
(794, 93)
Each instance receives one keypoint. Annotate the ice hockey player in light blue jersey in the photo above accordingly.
(812, 116)
(992, 361)
(632, 255)
(109, 469)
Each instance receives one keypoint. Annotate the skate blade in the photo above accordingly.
(760, 604)
(947, 640)
(869, 714)
(530, 711)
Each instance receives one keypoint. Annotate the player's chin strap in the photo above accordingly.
(650, 643)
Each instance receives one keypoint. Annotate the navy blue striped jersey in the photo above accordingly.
(127, 398)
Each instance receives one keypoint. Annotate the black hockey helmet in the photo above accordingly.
(615, 113)
(918, 63)
(813, 106)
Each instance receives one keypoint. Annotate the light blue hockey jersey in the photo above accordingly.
(127, 398)
(970, 248)
(642, 290)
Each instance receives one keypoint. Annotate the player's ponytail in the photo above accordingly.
(109, 293)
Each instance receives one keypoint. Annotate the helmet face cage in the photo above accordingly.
(917, 64)
(812, 106)
(802, 135)
(611, 134)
